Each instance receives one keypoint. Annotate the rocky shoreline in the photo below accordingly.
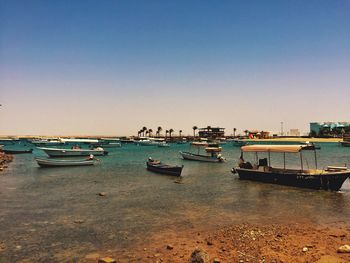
(5, 159)
(273, 243)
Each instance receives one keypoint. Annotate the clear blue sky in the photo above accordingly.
(111, 67)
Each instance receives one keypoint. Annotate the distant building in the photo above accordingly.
(294, 132)
(211, 132)
(329, 129)
(258, 134)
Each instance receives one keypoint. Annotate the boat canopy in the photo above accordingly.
(273, 148)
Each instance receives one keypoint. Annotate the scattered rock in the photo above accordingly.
(2, 246)
(79, 221)
(305, 249)
(209, 243)
(344, 249)
(199, 256)
(102, 194)
(18, 247)
(169, 247)
(216, 260)
(107, 260)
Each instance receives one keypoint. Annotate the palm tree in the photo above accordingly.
(234, 132)
(159, 129)
(208, 128)
(170, 132)
(166, 133)
(139, 133)
(143, 130)
(146, 133)
(194, 131)
(246, 132)
(180, 131)
(150, 132)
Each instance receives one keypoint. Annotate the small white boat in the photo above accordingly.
(62, 163)
(212, 153)
(202, 158)
(55, 152)
(151, 141)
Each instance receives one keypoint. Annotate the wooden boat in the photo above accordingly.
(55, 152)
(158, 167)
(202, 158)
(15, 151)
(44, 162)
(211, 153)
(332, 178)
(47, 142)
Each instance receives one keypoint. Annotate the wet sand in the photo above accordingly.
(286, 242)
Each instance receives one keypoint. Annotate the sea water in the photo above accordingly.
(48, 211)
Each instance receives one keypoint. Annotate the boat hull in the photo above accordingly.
(63, 163)
(52, 152)
(329, 181)
(165, 169)
(200, 158)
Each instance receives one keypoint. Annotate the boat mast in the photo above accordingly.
(301, 161)
(315, 158)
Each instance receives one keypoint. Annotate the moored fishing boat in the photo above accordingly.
(54, 152)
(332, 178)
(158, 167)
(212, 151)
(44, 162)
(47, 142)
(151, 141)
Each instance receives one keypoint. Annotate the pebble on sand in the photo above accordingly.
(344, 249)
(169, 246)
(107, 260)
(199, 256)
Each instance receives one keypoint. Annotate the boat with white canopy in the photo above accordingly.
(331, 178)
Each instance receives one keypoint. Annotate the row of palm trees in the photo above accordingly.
(149, 132)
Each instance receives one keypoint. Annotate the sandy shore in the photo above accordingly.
(4, 160)
(277, 243)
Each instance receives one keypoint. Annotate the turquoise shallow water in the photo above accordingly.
(38, 206)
